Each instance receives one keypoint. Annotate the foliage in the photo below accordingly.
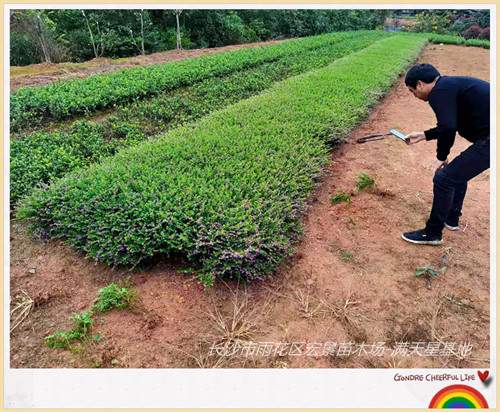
(118, 32)
(364, 182)
(43, 157)
(82, 324)
(453, 22)
(472, 32)
(436, 21)
(478, 43)
(109, 297)
(449, 39)
(227, 192)
(113, 297)
(61, 100)
(485, 34)
(34, 39)
(340, 197)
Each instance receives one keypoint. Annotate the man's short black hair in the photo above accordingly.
(424, 72)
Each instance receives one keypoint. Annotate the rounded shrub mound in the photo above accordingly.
(226, 192)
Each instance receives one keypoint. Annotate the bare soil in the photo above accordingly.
(351, 279)
(45, 73)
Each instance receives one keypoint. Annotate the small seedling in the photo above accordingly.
(63, 340)
(346, 256)
(340, 197)
(364, 182)
(109, 297)
(113, 296)
(428, 273)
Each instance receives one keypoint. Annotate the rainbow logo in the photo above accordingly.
(458, 396)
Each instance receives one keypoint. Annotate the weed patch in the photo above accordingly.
(364, 182)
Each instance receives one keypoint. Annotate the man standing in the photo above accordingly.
(461, 104)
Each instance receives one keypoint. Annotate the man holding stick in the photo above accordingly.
(461, 104)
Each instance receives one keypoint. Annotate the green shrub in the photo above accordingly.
(43, 157)
(227, 192)
(449, 39)
(30, 106)
(485, 44)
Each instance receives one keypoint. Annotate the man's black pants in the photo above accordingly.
(450, 184)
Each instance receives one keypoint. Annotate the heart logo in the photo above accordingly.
(483, 375)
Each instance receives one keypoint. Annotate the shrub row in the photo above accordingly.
(43, 157)
(227, 192)
(32, 105)
(448, 39)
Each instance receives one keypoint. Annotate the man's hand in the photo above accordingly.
(414, 137)
(438, 165)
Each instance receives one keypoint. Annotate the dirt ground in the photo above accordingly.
(45, 73)
(348, 291)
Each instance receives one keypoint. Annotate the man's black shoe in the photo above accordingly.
(422, 238)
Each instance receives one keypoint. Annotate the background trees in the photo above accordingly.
(79, 35)
(76, 35)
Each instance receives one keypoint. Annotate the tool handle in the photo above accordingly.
(371, 138)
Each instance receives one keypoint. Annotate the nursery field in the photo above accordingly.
(194, 203)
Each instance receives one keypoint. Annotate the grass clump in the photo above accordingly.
(346, 256)
(340, 197)
(228, 191)
(113, 297)
(82, 324)
(364, 181)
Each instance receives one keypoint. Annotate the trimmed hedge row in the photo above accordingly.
(449, 39)
(32, 105)
(226, 192)
(43, 157)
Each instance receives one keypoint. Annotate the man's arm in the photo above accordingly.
(444, 104)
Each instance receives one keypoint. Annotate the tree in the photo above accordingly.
(91, 34)
(178, 27)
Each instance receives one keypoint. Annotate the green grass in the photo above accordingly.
(364, 182)
(340, 197)
(113, 297)
(227, 192)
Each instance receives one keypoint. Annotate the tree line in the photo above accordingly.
(78, 35)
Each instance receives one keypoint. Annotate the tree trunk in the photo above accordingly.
(43, 42)
(91, 35)
(179, 43)
(142, 33)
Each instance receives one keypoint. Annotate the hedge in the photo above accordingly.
(42, 157)
(226, 192)
(458, 40)
(30, 106)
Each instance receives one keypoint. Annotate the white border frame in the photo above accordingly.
(312, 388)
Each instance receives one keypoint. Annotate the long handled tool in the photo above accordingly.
(380, 136)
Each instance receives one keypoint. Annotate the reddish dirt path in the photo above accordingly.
(45, 73)
(351, 279)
